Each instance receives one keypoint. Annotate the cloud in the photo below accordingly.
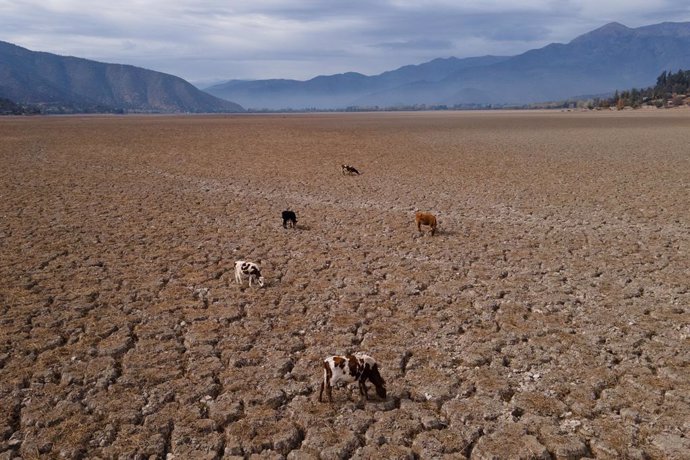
(216, 39)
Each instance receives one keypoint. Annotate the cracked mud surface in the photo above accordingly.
(548, 318)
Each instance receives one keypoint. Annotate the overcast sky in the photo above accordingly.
(207, 41)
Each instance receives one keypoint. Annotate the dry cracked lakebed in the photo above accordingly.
(548, 318)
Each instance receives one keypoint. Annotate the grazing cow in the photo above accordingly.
(425, 218)
(352, 368)
(289, 217)
(250, 269)
(347, 169)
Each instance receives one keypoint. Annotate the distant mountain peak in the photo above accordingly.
(612, 27)
(610, 30)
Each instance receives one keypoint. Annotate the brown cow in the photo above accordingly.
(425, 218)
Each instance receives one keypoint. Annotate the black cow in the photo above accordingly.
(289, 217)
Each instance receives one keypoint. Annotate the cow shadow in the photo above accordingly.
(448, 232)
(297, 227)
(440, 233)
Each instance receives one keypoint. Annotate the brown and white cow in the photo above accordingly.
(352, 368)
(349, 170)
(425, 218)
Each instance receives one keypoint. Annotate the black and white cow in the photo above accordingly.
(289, 217)
(250, 269)
(347, 169)
(352, 368)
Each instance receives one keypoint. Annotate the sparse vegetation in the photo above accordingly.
(8, 107)
(671, 90)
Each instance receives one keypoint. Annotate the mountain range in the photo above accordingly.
(598, 62)
(70, 84)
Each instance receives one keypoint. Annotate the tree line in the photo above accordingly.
(670, 87)
(670, 90)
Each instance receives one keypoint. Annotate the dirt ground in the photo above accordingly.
(547, 319)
